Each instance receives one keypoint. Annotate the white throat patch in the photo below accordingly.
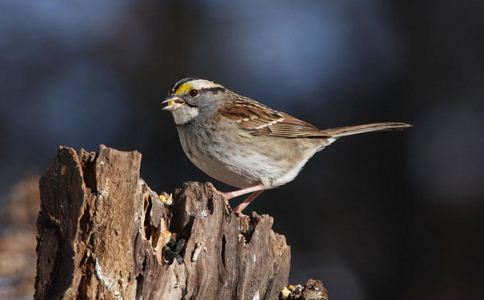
(185, 114)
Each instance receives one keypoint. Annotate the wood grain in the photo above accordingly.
(104, 234)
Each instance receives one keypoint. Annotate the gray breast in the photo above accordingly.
(241, 160)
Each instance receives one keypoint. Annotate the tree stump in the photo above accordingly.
(104, 234)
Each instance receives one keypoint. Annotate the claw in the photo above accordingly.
(240, 214)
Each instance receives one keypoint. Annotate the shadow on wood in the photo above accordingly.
(103, 233)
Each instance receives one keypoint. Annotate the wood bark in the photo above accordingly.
(104, 234)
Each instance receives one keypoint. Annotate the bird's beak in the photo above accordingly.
(173, 103)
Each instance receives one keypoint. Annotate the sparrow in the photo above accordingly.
(244, 143)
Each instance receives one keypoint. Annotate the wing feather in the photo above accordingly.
(260, 120)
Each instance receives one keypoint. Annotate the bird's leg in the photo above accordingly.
(238, 210)
(256, 190)
(244, 191)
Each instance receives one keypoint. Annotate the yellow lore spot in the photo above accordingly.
(182, 89)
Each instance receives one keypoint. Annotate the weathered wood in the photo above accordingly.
(104, 234)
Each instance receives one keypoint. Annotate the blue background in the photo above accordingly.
(382, 216)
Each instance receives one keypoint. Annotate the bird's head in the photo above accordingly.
(192, 98)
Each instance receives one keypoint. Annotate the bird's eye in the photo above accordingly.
(193, 93)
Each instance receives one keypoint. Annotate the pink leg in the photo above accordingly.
(238, 210)
(241, 192)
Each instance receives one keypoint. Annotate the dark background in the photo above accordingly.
(380, 216)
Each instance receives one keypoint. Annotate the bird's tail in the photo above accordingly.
(357, 129)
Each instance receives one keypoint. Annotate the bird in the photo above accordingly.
(244, 143)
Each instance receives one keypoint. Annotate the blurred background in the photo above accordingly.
(380, 216)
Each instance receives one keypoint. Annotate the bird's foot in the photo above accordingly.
(254, 190)
(238, 212)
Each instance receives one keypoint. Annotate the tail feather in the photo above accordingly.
(357, 129)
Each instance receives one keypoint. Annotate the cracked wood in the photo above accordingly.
(104, 234)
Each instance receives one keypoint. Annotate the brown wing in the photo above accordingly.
(258, 120)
